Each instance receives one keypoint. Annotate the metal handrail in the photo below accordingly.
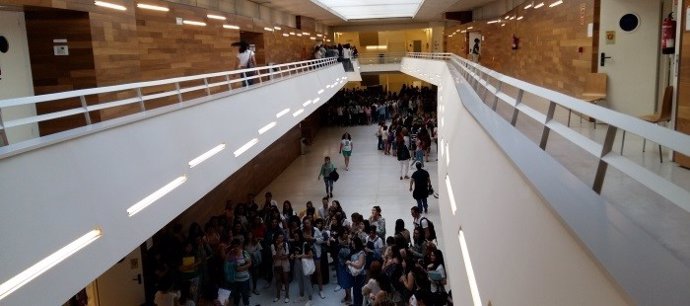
(481, 79)
(373, 58)
(257, 74)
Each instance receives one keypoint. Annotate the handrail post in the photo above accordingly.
(227, 79)
(258, 73)
(87, 116)
(3, 134)
(498, 90)
(179, 94)
(208, 90)
(518, 100)
(142, 106)
(545, 132)
(603, 166)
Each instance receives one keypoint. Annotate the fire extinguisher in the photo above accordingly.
(668, 35)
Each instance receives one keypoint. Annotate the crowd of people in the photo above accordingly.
(225, 258)
(344, 52)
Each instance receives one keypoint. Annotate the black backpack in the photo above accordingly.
(432, 230)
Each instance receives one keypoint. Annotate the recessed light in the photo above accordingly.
(217, 17)
(152, 7)
(231, 27)
(110, 5)
(194, 23)
(267, 127)
(246, 147)
(155, 196)
(201, 158)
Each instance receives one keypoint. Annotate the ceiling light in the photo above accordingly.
(320, 91)
(529, 5)
(493, 21)
(286, 34)
(503, 25)
(312, 38)
(278, 28)
(201, 158)
(512, 17)
(217, 17)
(194, 23)
(282, 113)
(267, 127)
(316, 100)
(156, 195)
(447, 157)
(246, 147)
(538, 5)
(232, 27)
(474, 289)
(464, 31)
(328, 40)
(110, 5)
(470, 28)
(298, 112)
(299, 34)
(520, 18)
(292, 33)
(559, 2)
(306, 33)
(451, 196)
(319, 35)
(305, 104)
(269, 29)
(371, 9)
(506, 17)
(152, 7)
(47, 263)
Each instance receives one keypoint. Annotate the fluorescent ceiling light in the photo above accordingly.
(520, 18)
(292, 33)
(282, 113)
(559, 2)
(267, 127)
(286, 34)
(305, 104)
(217, 17)
(201, 158)
(320, 91)
(299, 34)
(269, 29)
(152, 7)
(312, 38)
(470, 28)
(512, 17)
(379, 47)
(539, 5)
(194, 23)
(278, 28)
(156, 195)
(493, 21)
(316, 100)
(506, 17)
(306, 33)
(47, 263)
(529, 5)
(447, 156)
(246, 147)
(474, 289)
(451, 196)
(503, 25)
(371, 9)
(231, 27)
(110, 5)
(298, 112)
(319, 35)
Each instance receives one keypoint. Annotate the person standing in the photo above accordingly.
(242, 262)
(421, 181)
(475, 51)
(246, 60)
(346, 149)
(326, 169)
(403, 153)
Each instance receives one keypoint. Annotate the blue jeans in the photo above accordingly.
(422, 204)
(240, 288)
(357, 297)
(329, 185)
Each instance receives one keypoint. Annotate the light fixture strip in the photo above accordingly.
(529, 5)
(320, 91)
(156, 195)
(316, 100)
(201, 158)
(474, 289)
(305, 104)
(217, 17)
(451, 196)
(246, 147)
(194, 23)
(269, 29)
(110, 5)
(286, 34)
(47, 263)
(278, 28)
(559, 2)
(447, 156)
(298, 112)
(539, 5)
(282, 113)
(267, 127)
(152, 7)
(231, 27)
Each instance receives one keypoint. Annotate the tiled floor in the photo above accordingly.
(373, 179)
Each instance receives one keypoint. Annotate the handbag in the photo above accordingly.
(354, 271)
(308, 266)
(431, 190)
(334, 176)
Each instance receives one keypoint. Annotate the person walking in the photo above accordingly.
(403, 153)
(346, 149)
(326, 169)
(421, 181)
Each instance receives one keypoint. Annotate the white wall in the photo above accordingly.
(16, 78)
(520, 251)
(64, 190)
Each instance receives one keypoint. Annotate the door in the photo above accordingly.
(123, 283)
(417, 46)
(629, 35)
(474, 38)
(15, 75)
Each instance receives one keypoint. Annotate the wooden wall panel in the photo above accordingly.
(554, 49)
(60, 73)
(683, 108)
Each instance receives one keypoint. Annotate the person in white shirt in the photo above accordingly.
(245, 59)
(346, 149)
(374, 243)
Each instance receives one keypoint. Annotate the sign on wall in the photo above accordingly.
(610, 37)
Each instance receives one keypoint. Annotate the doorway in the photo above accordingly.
(474, 41)
(629, 53)
(416, 46)
(123, 283)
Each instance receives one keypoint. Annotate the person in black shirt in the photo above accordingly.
(421, 182)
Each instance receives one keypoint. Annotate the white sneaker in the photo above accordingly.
(321, 295)
(287, 300)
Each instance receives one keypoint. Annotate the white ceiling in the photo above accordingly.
(431, 10)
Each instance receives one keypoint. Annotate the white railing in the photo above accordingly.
(138, 96)
(488, 83)
(373, 58)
